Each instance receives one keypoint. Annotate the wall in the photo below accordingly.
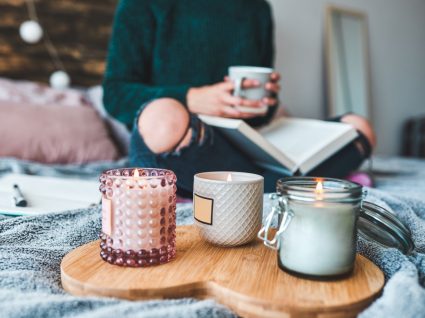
(397, 51)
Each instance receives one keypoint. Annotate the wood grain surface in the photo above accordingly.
(246, 279)
(79, 29)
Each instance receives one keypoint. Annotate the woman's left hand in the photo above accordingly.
(274, 88)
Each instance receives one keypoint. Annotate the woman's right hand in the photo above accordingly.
(217, 100)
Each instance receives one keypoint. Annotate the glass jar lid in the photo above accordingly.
(380, 225)
(375, 223)
(331, 190)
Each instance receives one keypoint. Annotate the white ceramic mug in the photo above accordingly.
(228, 210)
(240, 73)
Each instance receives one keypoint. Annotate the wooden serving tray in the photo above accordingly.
(246, 279)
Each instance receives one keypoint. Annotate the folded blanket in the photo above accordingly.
(31, 249)
(404, 293)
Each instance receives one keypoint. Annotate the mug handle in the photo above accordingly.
(263, 234)
(238, 86)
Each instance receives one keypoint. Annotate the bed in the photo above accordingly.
(31, 248)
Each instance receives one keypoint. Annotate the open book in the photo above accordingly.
(288, 145)
(47, 194)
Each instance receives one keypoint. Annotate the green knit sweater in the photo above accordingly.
(161, 48)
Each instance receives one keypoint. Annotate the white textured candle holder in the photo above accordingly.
(228, 213)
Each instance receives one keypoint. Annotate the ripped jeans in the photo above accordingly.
(213, 152)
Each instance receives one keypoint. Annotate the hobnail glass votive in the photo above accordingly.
(138, 216)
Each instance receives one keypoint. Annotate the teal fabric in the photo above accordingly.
(161, 48)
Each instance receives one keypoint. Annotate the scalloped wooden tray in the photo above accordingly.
(246, 279)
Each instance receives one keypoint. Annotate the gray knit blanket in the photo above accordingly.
(31, 249)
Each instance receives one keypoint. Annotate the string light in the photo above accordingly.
(32, 32)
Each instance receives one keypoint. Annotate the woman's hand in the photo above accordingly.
(274, 88)
(217, 100)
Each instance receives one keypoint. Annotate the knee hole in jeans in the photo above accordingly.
(164, 125)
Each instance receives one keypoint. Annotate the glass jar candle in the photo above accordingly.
(138, 216)
(317, 225)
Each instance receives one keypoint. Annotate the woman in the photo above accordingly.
(166, 64)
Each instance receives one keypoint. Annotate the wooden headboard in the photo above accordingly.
(79, 29)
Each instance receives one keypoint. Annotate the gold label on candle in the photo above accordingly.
(106, 216)
(203, 209)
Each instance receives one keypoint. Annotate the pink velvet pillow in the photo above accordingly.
(33, 93)
(52, 134)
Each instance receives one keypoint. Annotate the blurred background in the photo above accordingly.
(397, 61)
(333, 57)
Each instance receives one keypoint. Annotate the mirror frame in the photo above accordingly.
(329, 57)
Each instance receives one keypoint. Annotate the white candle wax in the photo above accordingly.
(320, 239)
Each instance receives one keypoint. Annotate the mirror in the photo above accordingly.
(347, 62)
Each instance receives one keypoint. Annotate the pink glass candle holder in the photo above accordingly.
(138, 216)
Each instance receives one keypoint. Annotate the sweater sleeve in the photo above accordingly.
(267, 41)
(127, 78)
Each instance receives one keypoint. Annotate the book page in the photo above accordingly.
(292, 143)
(300, 139)
(250, 142)
(47, 194)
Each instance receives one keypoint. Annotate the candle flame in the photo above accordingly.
(136, 173)
(319, 190)
(229, 177)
